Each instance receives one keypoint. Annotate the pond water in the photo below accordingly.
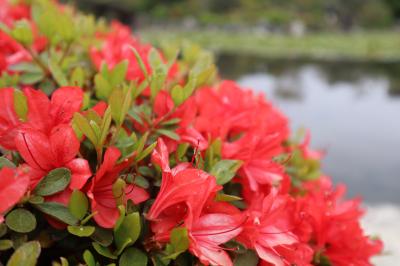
(352, 110)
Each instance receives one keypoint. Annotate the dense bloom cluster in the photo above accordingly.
(112, 152)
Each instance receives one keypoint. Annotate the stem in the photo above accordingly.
(37, 60)
(66, 51)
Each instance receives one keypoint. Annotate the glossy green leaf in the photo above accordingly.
(179, 240)
(77, 77)
(4, 162)
(104, 251)
(168, 133)
(118, 190)
(140, 62)
(31, 78)
(21, 221)
(55, 181)
(117, 75)
(20, 105)
(22, 32)
(78, 204)
(226, 198)
(133, 257)
(84, 126)
(102, 236)
(5, 244)
(88, 258)
(146, 152)
(249, 258)
(128, 231)
(57, 73)
(57, 211)
(25, 255)
(81, 231)
(225, 170)
(102, 87)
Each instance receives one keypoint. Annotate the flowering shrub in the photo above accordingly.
(115, 152)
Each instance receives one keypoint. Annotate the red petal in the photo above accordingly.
(160, 155)
(65, 101)
(34, 147)
(80, 170)
(136, 194)
(110, 158)
(39, 107)
(105, 217)
(64, 144)
(12, 188)
(8, 119)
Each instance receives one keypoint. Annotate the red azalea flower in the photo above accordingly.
(164, 110)
(182, 188)
(116, 47)
(100, 192)
(13, 186)
(9, 120)
(269, 228)
(256, 152)
(208, 232)
(336, 230)
(44, 114)
(44, 153)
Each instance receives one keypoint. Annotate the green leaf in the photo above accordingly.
(118, 73)
(102, 236)
(88, 258)
(31, 78)
(25, 255)
(35, 199)
(249, 258)
(3, 229)
(26, 67)
(105, 252)
(102, 87)
(225, 170)
(128, 232)
(20, 105)
(22, 32)
(105, 125)
(179, 240)
(171, 122)
(55, 181)
(57, 73)
(140, 62)
(84, 126)
(5, 244)
(226, 198)
(81, 231)
(141, 182)
(21, 221)
(58, 211)
(146, 152)
(78, 204)
(77, 77)
(168, 133)
(4, 162)
(118, 189)
(133, 257)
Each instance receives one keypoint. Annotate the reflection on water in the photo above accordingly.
(353, 112)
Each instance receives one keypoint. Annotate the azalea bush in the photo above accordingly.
(118, 153)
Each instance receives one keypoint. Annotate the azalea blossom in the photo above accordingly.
(269, 230)
(103, 201)
(13, 186)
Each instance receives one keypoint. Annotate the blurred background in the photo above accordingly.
(332, 66)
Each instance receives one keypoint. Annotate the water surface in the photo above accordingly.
(352, 110)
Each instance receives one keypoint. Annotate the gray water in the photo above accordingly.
(352, 110)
